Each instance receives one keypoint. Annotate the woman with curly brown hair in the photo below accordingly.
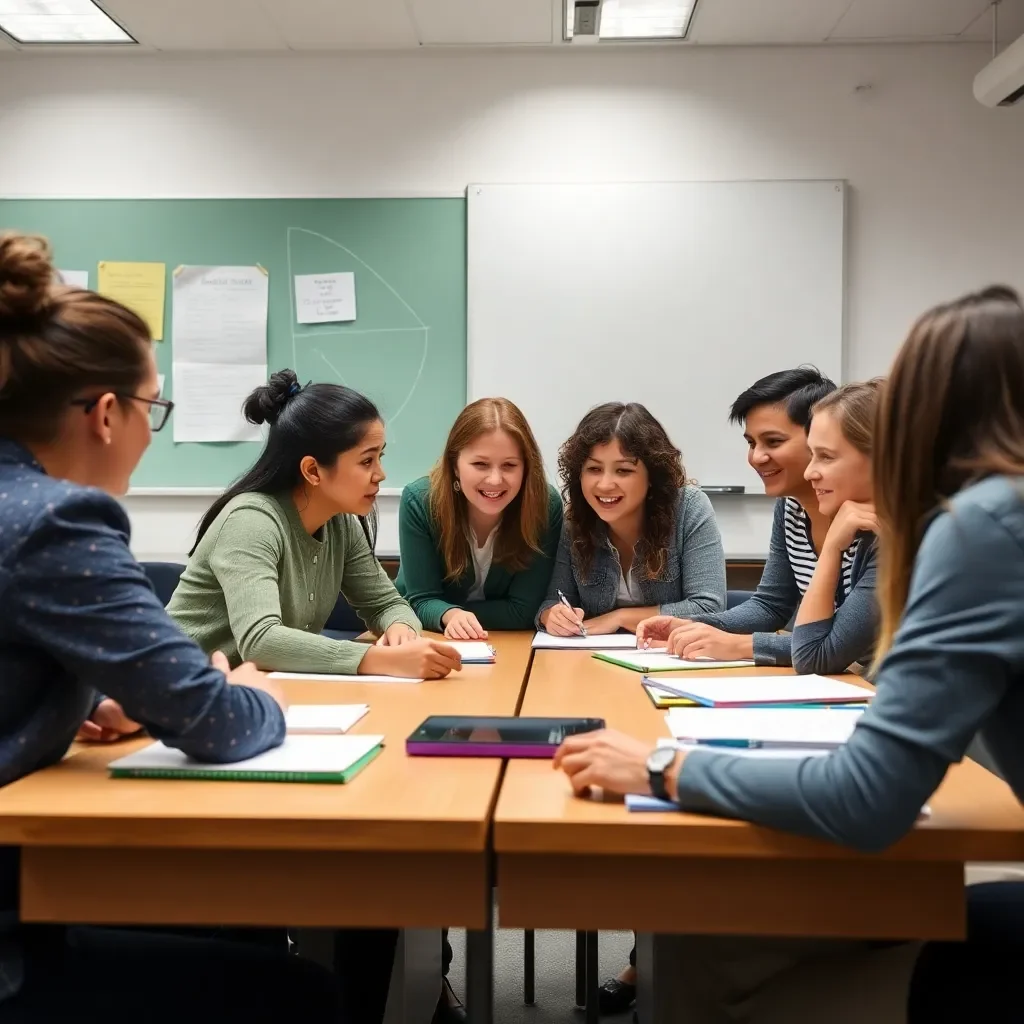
(638, 540)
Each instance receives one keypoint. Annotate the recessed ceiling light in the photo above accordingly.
(59, 21)
(627, 19)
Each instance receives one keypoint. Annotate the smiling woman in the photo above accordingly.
(638, 540)
(478, 536)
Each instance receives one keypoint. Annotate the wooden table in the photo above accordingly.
(406, 844)
(565, 862)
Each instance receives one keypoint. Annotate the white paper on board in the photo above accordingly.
(219, 350)
(75, 278)
(325, 298)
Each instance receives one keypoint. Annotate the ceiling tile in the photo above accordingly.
(343, 24)
(483, 21)
(723, 22)
(197, 24)
(908, 19)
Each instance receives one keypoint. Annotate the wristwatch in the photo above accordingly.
(658, 762)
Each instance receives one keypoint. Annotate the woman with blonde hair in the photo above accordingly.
(479, 535)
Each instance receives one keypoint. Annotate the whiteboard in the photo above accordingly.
(678, 295)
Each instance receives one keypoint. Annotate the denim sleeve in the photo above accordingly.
(959, 647)
(772, 605)
(77, 591)
(699, 545)
(562, 577)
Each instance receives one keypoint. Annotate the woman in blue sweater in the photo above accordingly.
(78, 402)
(949, 490)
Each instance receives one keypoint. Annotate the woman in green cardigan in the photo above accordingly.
(276, 549)
(478, 536)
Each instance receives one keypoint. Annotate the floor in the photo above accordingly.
(555, 978)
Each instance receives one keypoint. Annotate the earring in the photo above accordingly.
(456, 487)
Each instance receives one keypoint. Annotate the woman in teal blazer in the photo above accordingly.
(479, 535)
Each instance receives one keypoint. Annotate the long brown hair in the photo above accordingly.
(57, 342)
(854, 407)
(525, 517)
(951, 413)
(643, 438)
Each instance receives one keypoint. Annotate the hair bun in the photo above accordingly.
(26, 276)
(264, 405)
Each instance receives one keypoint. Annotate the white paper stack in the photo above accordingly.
(806, 728)
(314, 719)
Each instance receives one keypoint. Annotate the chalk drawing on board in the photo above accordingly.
(420, 329)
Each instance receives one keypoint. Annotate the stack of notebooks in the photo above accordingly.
(809, 691)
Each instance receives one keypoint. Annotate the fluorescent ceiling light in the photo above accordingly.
(59, 21)
(635, 19)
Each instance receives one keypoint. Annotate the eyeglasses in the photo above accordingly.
(159, 408)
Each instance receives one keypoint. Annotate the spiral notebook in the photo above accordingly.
(299, 759)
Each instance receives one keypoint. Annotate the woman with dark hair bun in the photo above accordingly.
(275, 550)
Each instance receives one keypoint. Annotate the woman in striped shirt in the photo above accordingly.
(820, 546)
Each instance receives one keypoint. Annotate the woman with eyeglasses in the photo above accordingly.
(87, 649)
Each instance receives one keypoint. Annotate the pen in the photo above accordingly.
(565, 601)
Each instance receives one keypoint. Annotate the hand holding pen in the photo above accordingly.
(564, 620)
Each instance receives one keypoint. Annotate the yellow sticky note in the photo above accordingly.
(139, 286)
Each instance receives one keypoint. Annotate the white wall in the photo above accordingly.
(936, 205)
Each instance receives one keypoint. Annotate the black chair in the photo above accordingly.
(343, 623)
(735, 597)
(164, 577)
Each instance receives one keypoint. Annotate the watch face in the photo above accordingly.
(661, 758)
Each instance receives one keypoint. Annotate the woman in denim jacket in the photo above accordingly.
(637, 540)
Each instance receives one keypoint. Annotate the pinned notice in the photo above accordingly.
(139, 286)
(325, 298)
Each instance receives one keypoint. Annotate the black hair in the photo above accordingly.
(321, 420)
(797, 389)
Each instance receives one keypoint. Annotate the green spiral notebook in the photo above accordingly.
(300, 758)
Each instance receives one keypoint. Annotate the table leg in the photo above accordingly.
(529, 966)
(581, 969)
(480, 973)
(645, 978)
(592, 979)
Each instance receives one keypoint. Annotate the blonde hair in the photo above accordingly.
(525, 518)
(854, 407)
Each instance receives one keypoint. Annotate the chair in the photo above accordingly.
(735, 597)
(164, 578)
(343, 623)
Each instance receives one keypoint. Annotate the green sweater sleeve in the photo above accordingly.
(422, 564)
(368, 588)
(245, 561)
(527, 588)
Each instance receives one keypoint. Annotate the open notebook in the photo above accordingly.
(608, 642)
(298, 759)
(327, 677)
